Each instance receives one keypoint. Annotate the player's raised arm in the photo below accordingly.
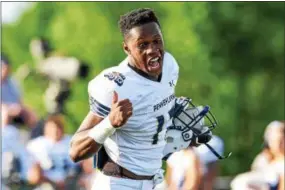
(82, 146)
(94, 130)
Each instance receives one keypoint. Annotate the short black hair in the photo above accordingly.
(135, 18)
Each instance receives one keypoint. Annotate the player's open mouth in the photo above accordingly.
(154, 64)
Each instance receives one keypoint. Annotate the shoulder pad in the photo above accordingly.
(116, 77)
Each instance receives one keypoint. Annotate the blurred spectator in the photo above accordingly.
(275, 137)
(11, 96)
(88, 174)
(18, 167)
(51, 152)
(268, 168)
(209, 162)
(263, 159)
(250, 181)
(183, 170)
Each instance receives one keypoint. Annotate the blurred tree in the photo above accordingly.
(247, 41)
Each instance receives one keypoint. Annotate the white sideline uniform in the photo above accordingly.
(138, 145)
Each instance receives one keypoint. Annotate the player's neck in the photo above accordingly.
(144, 74)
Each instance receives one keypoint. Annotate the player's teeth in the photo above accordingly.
(155, 59)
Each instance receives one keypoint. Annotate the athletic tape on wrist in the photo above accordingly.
(102, 131)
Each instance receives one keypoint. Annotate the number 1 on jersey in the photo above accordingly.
(160, 121)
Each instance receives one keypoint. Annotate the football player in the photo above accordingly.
(131, 106)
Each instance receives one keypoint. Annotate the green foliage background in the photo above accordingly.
(231, 56)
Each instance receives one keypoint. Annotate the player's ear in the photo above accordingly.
(126, 48)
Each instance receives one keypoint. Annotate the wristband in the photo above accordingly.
(102, 131)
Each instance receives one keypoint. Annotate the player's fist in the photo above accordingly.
(120, 112)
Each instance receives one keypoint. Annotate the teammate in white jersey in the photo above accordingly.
(129, 109)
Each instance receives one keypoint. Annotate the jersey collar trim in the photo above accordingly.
(143, 74)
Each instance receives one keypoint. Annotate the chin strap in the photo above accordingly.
(216, 153)
(211, 149)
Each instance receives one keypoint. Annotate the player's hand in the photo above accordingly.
(120, 112)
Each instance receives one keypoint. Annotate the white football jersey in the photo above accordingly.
(138, 145)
